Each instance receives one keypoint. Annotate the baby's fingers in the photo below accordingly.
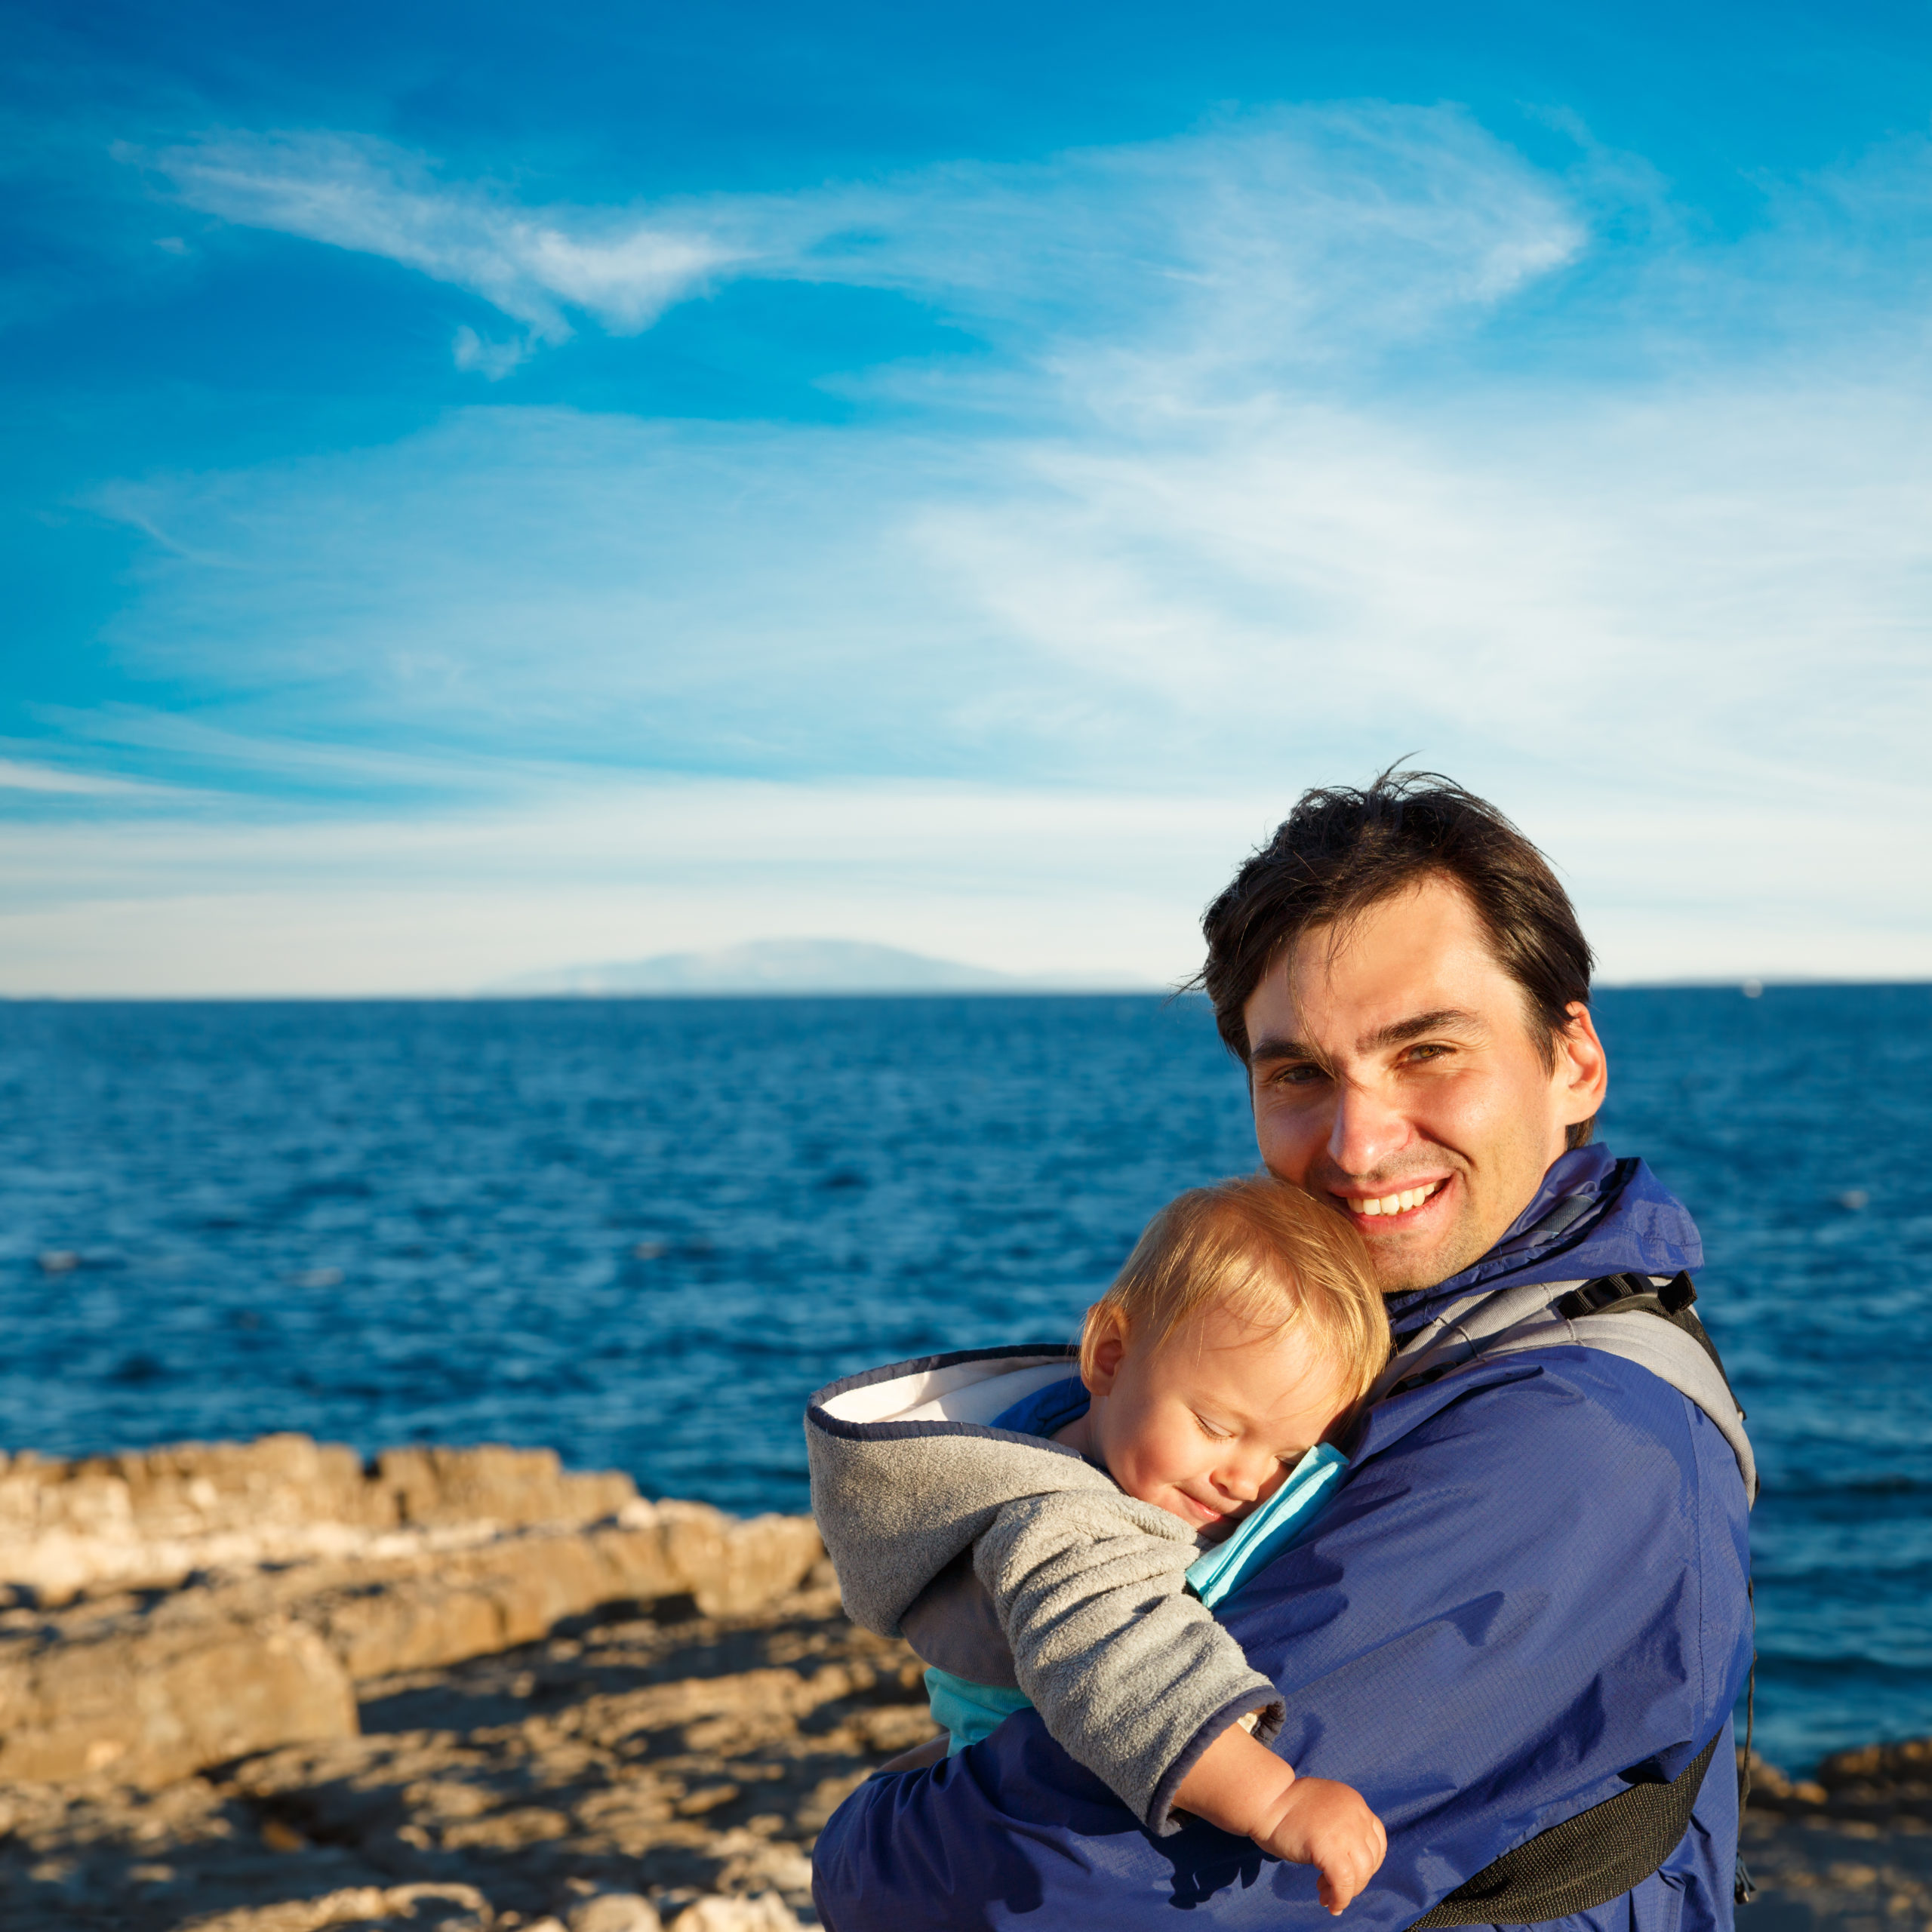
(1341, 1879)
(1344, 1873)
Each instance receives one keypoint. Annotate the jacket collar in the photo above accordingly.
(1593, 1215)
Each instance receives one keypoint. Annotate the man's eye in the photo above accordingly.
(1300, 1074)
(1428, 1050)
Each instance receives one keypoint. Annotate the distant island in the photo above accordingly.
(796, 966)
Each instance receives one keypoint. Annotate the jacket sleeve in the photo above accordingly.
(1131, 1676)
(1532, 1582)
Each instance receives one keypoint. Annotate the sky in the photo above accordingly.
(493, 488)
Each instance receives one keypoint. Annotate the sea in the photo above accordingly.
(641, 1231)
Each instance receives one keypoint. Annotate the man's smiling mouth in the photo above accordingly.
(1404, 1201)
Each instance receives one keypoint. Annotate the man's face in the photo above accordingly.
(1398, 1077)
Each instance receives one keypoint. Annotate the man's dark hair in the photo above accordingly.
(1341, 851)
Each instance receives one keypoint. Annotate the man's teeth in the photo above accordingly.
(1395, 1204)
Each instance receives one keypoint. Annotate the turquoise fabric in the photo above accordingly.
(970, 1711)
(1262, 1537)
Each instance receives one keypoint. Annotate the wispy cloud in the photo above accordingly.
(1140, 497)
(1299, 233)
(367, 195)
(491, 360)
(25, 775)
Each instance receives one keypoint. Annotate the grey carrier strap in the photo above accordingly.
(1554, 1314)
(1601, 1853)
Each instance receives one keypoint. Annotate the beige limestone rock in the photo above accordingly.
(615, 1911)
(473, 1602)
(514, 1488)
(1887, 1784)
(296, 1573)
(151, 1698)
(764, 1913)
(147, 1521)
(732, 1566)
(358, 1905)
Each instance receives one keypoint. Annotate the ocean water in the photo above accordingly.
(642, 1231)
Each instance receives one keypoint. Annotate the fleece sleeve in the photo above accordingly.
(1131, 1676)
(1532, 1583)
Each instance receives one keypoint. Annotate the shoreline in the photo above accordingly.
(263, 1687)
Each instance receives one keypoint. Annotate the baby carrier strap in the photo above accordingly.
(1544, 1315)
(1583, 1862)
(1601, 1853)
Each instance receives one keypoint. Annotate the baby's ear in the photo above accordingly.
(1103, 1349)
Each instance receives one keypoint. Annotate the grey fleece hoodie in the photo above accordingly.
(1076, 1592)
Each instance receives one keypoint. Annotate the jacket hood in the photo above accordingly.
(939, 1394)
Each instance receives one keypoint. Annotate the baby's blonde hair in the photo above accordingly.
(1267, 1251)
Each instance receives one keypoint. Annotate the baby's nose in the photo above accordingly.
(1243, 1479)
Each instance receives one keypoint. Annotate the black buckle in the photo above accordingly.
(1612, 1291)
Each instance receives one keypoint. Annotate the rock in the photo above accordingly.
(148, 1521)
(765, 1913)
(150, 1699)
(515, 1488)
(1768, 1782)
(615, 1911)
(513, 1590)
(297, 1572)
(1903, 1771)
(732, 1567)
(466, 1908)
(665, 1757)
(1881, 1783)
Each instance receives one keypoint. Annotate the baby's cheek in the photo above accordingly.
(1146, 1476)
(1175, 1460)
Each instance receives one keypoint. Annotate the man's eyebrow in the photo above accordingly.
(1444, 1019)
(1276, 1048)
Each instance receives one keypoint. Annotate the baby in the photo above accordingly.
(1054, 1539)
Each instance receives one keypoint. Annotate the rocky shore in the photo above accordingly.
(260, 1687)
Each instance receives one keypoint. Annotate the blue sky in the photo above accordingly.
(493, 487)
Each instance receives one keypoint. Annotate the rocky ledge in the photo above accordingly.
(261, 1687)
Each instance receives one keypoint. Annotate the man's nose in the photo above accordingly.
(1367, 1131)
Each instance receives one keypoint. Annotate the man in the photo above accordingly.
(1531, 1594)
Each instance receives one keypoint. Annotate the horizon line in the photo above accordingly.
(1743, 983)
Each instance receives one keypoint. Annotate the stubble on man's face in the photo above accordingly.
(1397, 1075)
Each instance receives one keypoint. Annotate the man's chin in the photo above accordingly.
(1405, 1263)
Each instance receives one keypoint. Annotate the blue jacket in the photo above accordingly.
(1533, 1580)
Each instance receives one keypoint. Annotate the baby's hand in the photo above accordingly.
(1318, 1821)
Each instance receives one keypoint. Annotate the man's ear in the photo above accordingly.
(1106, 1350)
(1581, 1076)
